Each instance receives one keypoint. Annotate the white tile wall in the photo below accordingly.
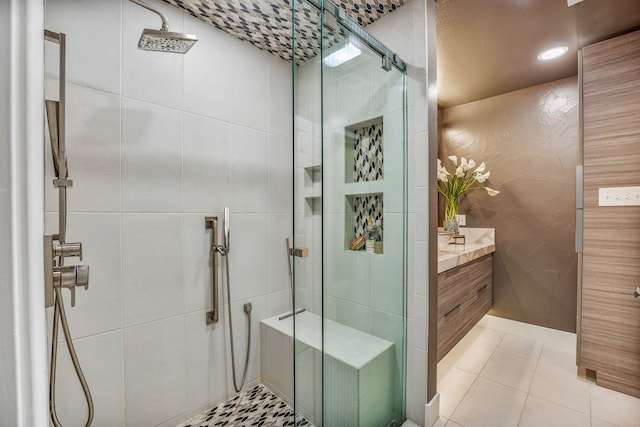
(280, 117)
(102, 363)
(280, 173)
(280, 227)
(249, 85)
(249, 169)
(207, 71)
(93, 146)
(205, 163)
(157, 142)
(154, 371)
(206, 357)
(249, 247)
(151, 267)
(93, 29)
(151, 151)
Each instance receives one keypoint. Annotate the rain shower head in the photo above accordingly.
(163, 40)
(166, 41)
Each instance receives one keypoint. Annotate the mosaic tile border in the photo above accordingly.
(255, 407)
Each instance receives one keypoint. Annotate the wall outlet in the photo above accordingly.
(462, 220)
(619, 196)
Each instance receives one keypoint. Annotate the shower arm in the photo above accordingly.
(165, 21)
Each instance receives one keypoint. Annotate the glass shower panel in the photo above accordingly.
(364, 216)
(350, 214)
(307, 234)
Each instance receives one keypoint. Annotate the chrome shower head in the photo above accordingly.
(163, 40)
(166, 41)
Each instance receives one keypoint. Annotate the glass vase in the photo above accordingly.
(451, 215)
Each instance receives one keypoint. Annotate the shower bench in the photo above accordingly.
(359, 370)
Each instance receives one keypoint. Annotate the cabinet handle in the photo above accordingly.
(452, 310)
(482, 288)
(636, 293)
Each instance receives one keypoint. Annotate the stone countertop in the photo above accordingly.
(478, 242)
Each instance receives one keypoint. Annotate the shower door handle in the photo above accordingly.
(299, 252)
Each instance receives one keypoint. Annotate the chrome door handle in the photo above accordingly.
(636, 293)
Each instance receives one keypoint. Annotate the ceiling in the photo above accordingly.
(485, 47)
(489, 47)
(267, 23)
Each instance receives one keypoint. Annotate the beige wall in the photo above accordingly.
(529, 140)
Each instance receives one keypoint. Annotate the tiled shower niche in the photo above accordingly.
(364, 145)
(359, 209)
(364, 170)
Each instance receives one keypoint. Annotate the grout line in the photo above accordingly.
(119, 212)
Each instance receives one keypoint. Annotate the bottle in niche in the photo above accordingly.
(372, 235)
(377, 244)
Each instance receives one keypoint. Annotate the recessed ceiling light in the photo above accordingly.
(552, 53)
(342, 55)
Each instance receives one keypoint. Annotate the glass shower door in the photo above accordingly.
(350, 213)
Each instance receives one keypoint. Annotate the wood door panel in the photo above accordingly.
(610, 315)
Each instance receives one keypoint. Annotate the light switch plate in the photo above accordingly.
(619, 196)
(462, 220)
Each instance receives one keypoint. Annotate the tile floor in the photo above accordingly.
(508, 374)
(255, 407)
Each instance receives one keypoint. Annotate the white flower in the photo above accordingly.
(443, 173)
(472, 164)
(482, 177)
(455, 185)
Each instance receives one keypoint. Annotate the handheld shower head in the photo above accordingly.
(53, 112)
(226, 229)
(163, 40)
(52, 119)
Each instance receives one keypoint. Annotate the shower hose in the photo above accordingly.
(59, 313)
(247, 310)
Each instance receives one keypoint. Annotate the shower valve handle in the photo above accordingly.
(70, 276)
(66, 250)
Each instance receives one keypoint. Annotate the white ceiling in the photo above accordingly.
(489, 47)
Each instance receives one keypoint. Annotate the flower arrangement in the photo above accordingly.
(452, 186)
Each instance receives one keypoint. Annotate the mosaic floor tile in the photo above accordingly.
(255, 407)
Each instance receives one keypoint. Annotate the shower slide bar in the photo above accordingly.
(56, 249)
(211, 223)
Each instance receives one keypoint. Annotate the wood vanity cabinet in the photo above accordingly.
(465, 294)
